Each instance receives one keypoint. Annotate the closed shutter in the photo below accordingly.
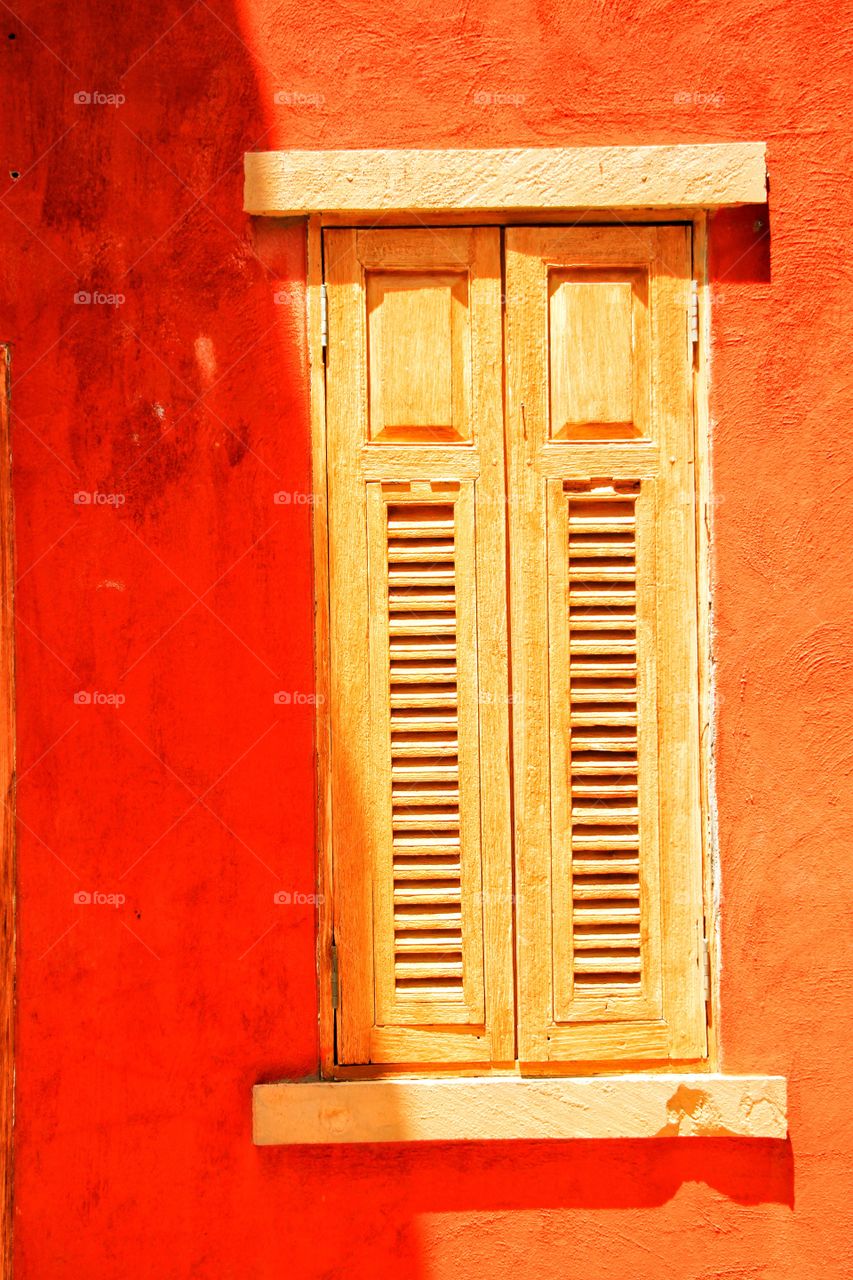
(419, 674)
(605, 668)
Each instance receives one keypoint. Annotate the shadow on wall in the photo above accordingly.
(594, 1174)
(740, 247)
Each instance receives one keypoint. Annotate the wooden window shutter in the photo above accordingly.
(604, 644)
(419, 674)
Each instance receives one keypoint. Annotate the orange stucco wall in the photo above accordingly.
(186, 590)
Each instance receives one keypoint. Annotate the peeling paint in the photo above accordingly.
(205, 359)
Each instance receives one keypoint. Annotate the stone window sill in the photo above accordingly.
(494, 1108)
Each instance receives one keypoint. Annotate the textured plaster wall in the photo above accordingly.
(185, 589)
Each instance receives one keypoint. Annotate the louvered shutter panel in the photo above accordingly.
(605, 668)
(419, 675)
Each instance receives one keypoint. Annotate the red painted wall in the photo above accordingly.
(186, 590)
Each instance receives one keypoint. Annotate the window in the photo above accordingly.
(514, 730)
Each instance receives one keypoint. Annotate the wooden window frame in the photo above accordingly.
(571, 186)
(697, 221)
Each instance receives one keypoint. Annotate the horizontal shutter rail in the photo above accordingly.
(417, 598)
(409, 624)
(401, 797)
(424, 676)
(620, 789)
(435, 651)
(597, 666)
(614, 816)
(420, 817)
(587, 691)
(607, 866)
(407, 554)
(437, 771)
(590, 716)
(436, 943)
(413, 916)
(425, 894)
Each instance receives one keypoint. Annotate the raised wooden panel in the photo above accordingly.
(597, 355)
(419, 357)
